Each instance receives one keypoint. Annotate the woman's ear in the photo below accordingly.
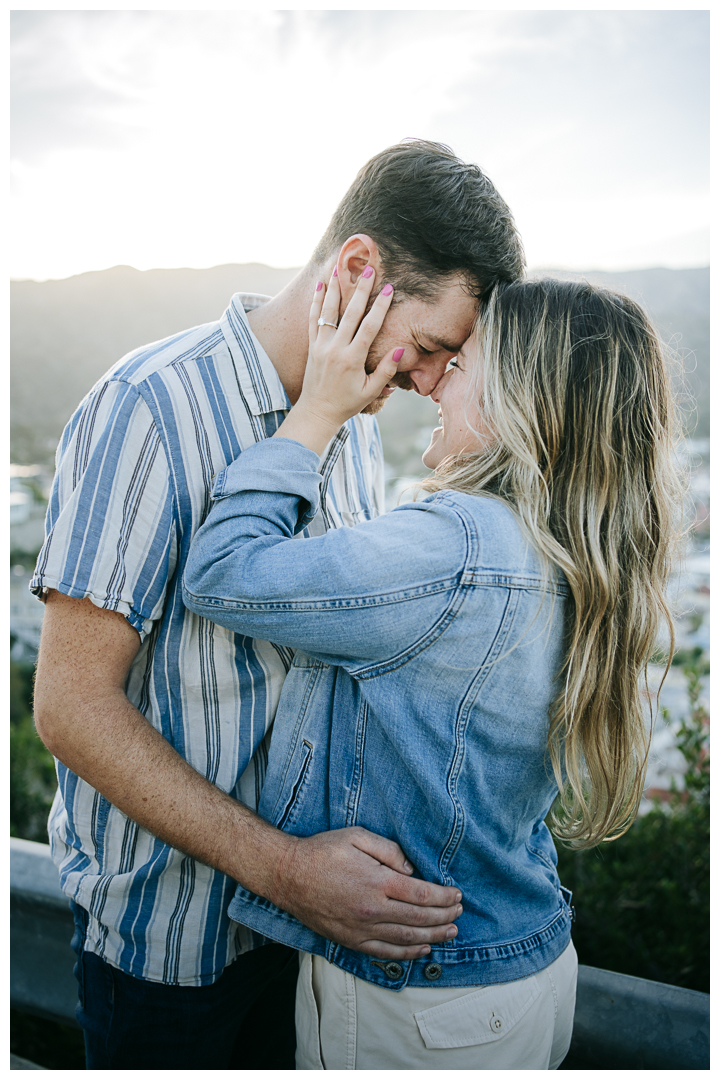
(357, 252)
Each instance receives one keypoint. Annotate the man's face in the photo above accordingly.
(430, 332)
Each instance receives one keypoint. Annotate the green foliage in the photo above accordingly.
(692, 660)
(643, 901)
(32, 786)
(693, 739)
(32, 769)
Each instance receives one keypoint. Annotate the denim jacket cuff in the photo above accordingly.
(277, 465)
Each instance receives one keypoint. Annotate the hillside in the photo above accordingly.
(66, 333)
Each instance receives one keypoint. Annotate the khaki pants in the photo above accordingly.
(347, 1023)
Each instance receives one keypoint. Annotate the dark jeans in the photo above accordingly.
(245, 1020)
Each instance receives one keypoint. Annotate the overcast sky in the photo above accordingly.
(187, 138)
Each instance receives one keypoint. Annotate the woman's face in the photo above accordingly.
(454, 436)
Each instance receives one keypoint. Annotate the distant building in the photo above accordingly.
(29, 488)
(26, 616)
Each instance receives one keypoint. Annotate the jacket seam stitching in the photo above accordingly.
(356, 782)
(454, 604)
(541, 855)
(455, 837)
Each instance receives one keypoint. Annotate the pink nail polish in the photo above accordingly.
(397, 355)
(334, 273)
(387, 290)
(319, 286)
(368, 271)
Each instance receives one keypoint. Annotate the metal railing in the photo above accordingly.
(620, 1022)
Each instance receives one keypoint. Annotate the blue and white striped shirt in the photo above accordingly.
(135, 468)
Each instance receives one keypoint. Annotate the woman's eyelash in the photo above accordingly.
(453, 363)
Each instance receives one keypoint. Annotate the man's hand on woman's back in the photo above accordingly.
(349, 885)
(354, 887)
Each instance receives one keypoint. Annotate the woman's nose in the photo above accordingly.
(435, 394)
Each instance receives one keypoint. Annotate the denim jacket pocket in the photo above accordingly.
(484, 1016)
(288, 813)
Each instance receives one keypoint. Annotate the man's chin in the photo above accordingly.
(375, 406)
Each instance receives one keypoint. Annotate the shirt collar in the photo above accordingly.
(259, 381)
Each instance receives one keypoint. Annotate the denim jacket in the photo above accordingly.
(416, 705)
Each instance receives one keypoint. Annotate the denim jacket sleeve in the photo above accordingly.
(352, 597)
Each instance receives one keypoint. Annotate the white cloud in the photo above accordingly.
(196, 138)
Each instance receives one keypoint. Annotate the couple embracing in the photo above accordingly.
(295, 733)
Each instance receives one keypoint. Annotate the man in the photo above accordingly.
(159, 719)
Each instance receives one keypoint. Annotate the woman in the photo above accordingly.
(464, 658)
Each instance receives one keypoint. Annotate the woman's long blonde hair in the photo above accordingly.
(575, 388)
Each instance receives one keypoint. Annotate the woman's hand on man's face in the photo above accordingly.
(336, 385)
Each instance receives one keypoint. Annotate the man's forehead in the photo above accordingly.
(447, 321)
(450, 342)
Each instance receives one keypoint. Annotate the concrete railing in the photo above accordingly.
(620, 1022)
(41, 926)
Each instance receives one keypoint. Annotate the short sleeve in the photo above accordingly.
(110, 527)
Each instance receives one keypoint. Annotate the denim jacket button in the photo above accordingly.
(432, 972)
(393, 971)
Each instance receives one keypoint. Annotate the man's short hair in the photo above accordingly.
(432, 216)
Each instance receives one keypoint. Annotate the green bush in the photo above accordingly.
(643, 901)
(32, 769)
(693, 659)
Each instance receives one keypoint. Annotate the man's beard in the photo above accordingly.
(401, 379)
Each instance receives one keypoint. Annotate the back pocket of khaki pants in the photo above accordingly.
(482, 1016)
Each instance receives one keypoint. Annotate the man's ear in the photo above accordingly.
(357, 252)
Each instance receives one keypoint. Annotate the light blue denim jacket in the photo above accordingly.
(416, 705)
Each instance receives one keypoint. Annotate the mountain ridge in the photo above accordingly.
(66, 332)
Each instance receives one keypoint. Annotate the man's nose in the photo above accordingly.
(427, 373)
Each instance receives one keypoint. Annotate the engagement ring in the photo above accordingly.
(324, 322)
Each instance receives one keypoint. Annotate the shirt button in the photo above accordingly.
(393, 970)
(496, 1022)
(432, 972)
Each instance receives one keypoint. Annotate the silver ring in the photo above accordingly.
(324, 322)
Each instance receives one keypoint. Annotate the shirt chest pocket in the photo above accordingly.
(355, 515)
(483, 1016)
